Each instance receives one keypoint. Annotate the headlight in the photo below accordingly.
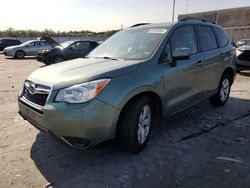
(83, 92)
(238, 52)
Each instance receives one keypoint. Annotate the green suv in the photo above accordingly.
(133, 79)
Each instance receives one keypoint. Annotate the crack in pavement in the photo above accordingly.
(207, 130)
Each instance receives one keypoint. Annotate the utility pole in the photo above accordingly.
(173, 11)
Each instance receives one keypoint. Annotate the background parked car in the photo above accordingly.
(66, 50)
(30, 48)
(8, 42)
(243, 55)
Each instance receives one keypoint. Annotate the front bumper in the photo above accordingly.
(7, 53)
(44, 59)
(242, 64)
(93, 122)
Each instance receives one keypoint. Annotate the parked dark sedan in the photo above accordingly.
(66, 50)
(8, 42)
(243, 55)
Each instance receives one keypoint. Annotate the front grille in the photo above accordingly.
(36, 94)
(39, 99)
(245, 55)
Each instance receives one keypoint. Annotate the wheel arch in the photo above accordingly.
(153, 96)
(20, 50)
(230, 72)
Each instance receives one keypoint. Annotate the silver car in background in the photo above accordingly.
(243, 55)
(30, 48)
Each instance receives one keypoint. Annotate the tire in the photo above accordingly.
(223, 92)
(238, 70)
(19, 54)
(58, 59)
(134, 125)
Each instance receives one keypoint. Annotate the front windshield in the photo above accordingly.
(136, 43)
(27, 43)
(66, 44)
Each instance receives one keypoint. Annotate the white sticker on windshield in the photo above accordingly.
(158, 30)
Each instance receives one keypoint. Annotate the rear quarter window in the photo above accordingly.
(221, 37)
(207, 40)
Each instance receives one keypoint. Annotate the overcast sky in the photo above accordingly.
(99, 15)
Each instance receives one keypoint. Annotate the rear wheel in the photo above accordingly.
(222, 95)
(19, 54)
(134, 125)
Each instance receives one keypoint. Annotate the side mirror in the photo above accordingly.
(181, 53)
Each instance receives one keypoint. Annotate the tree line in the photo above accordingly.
(11, 32)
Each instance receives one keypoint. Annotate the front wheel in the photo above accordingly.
(58, 59)
(222, 95)
(134, 125)
(19, 54)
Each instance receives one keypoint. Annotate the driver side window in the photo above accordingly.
(184, 38)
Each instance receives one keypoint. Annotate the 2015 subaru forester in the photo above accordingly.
(134, 78)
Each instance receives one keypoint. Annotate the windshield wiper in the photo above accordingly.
(107, 57)
(113, 58)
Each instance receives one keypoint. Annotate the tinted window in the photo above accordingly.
(36, 43)
(9, 42)
(184, 37)
(44, 43)
(206, 38)
(93, 45)
(221, 37)
(166, 55)
(29, 44)
(80, 46)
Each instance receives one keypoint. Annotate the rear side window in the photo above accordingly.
(206, 37)
(9, 42)
(221, 37)
(93, 45)
(44, 43)
(1, 41)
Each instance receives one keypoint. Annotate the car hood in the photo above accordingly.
(12, 47)
(244, 48)
(81, 70)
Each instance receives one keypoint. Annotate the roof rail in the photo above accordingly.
(195, 19)
(139, 24)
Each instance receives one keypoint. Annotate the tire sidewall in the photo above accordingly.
(58, 57)
(225, 76)
(143, 103)
(19, 57)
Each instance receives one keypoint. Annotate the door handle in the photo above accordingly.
(199, 63)
(222, 54)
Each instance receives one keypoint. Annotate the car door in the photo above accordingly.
(212, 58)
(29, 48)
(184, 77)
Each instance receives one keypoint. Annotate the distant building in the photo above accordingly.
(235, 21)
